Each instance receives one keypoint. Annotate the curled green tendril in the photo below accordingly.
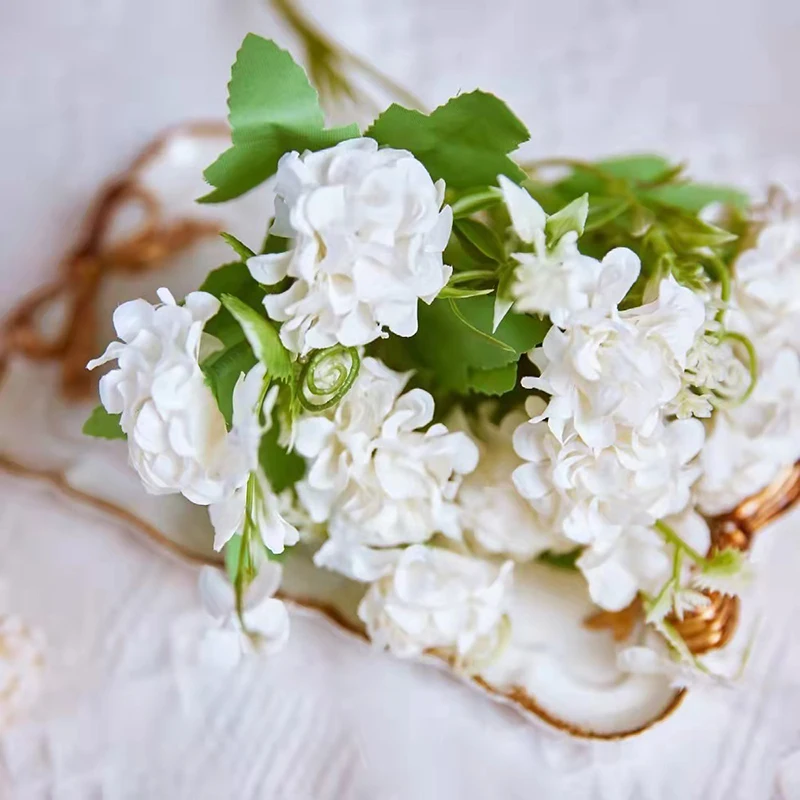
(326, 375)
(752, 367)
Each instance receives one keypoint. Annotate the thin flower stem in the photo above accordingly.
(673, 538)
(244, 568)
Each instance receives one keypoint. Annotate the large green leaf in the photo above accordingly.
(466, 141)
(233, 279)
(103, 425)
(455, 345)
(272, 109)
(695, 197)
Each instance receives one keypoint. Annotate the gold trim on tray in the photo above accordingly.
(89, 264)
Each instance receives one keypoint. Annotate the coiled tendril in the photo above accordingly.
(327, 376)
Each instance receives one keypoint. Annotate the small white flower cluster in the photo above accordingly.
(368, 230)
(603, 464)
(21, 668)
(747, 446)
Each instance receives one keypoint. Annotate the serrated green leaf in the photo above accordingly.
(695, 197)
(570, 218)
(479, 239)
(262, 336)
(103, 425)
(272, 109)
(466, 141)
(454, 342)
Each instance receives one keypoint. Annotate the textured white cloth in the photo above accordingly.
(85, 84)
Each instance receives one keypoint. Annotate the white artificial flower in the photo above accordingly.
(616, 571)
(621, 370)
(437, 599)
(606, 499)
(266, 620)
(228, 515)
(749, 445)
(555, 278)
(21, 668)
(266, 511)
(368, 231)
(766, 286)
(373, 475)
(177, 439)
(499, 520)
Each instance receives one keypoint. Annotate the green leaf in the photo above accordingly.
(223, 369)
(570, 218)
(234, 279)
(478, 200)
(466, 141)
(232, 549)
(455, 345)
(262, 336)
(479, 240)
(493, 381)
(241, 249)
(272, 109)
(282, 468)
(695, 197)
(561, 560)
(103, 425)
(640, 167)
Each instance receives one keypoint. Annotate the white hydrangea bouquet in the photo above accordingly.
(466, 386)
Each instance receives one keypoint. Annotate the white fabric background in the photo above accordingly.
(84, 84)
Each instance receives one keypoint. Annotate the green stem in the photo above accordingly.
(672, 537)
(244, 568)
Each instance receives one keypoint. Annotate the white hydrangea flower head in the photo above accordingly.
(368, 231)
(266, 620)
(177, 438)
(492, 512)
(766, 289)
(555, 278)
(616, 571)
(618, 371)
(606, 498)
(374, 476)
(434, 599)
(749, 445)
(21, 668)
